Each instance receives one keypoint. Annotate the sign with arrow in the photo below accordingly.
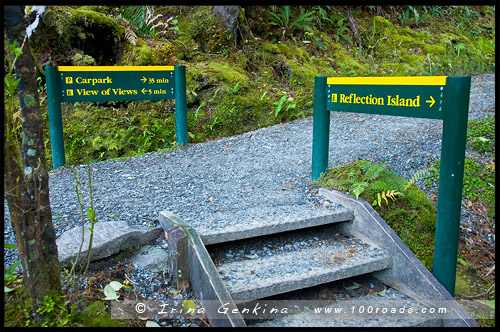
(435, 97)
(116, 83)
(112, 83)
(421, 97)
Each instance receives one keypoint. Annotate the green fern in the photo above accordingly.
(136, 16)
(379, 185)
(409, 212)
(142, 18)
(418, 175)
(372, 171)
(358, 188)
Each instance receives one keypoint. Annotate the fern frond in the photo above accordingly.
(379, 185)
(418, 175)
(393, 181)
(390, 193)
(131, 36)
(358, 188)
(372, 171)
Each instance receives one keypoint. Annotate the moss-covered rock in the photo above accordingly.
(154, 53)
(201, 31)
(63, 29)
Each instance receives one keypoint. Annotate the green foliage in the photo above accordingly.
(481, 135)
(13, 123)
(111, 289)
(97, 315)
(479, 181)
(279, 105)
(284, 20)
(137, 16)
(479, 171)
(237, 84)
(408, 211)
(11, 279)
(54, 312)
(111, 132)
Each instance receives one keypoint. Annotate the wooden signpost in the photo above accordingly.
(435, 97)
(112, 83)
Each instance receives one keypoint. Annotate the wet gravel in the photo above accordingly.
(253, 176)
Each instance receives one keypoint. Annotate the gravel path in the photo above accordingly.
(258, 175)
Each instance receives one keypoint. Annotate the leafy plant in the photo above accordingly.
(53, 312)
(479, 180)
(75, 280)
(481, 135)
(233, 90)
(459, 47)
(322, 16)
(279, 105)
(13, 116)
(144, 20)
(390, 193)
(111, 289)
(283, 19)
(10, 277)
(189, 306)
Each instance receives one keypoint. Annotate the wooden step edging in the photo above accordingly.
(203, 276)
(407, 275)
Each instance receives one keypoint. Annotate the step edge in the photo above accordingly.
(375, 264)
(283, 226)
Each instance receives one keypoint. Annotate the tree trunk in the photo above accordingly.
(26, 177)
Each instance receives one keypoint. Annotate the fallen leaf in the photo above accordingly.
(189, 306)
(355, 285)
(382, 293)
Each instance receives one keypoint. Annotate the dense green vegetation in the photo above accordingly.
(258, 74)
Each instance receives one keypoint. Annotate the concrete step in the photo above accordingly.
(361, 301)
(249, 229)
(297, 260)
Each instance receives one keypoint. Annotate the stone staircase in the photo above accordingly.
(286, 264)
(303, 258)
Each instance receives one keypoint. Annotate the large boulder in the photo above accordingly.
(109, 239)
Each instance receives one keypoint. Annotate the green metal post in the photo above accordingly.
(180, 105)
(55, 117)
(451, 176)
(321, 129)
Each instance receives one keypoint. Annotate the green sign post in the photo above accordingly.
(435, 97)
(112, 83)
